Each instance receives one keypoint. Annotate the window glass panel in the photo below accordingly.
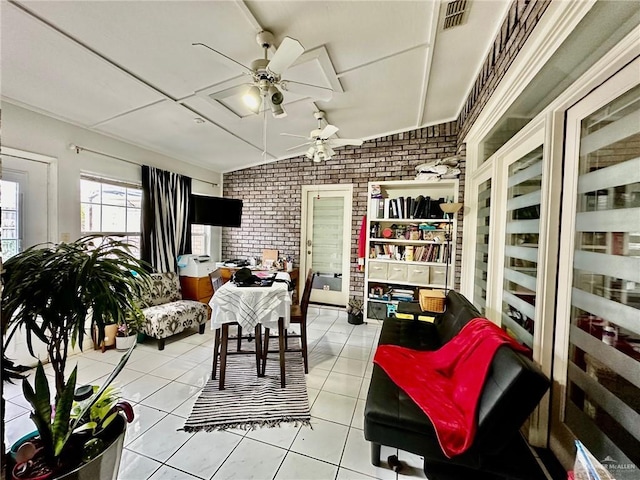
(521, 246)
(603, 393)
(90, 191)
(199, 239)
(133, 220)
(11, 242)
(482, 247)
(114, 195)
(327, 242)
(111, 208)
(114, 219)
(90, 218)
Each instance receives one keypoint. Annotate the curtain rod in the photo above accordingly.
(79, 149)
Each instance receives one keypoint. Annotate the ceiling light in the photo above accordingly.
(253, 99)
(278, 111)
(310, 152)
(275, 95)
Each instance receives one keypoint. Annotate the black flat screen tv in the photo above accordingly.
(216, 211)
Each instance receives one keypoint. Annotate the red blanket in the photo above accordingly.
(447, 383)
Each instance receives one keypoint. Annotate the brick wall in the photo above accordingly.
(517, 26)
(271, 193)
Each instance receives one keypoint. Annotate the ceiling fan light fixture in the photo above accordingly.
(275, 95)
(253, 99)
(278, 111)
(310, 152)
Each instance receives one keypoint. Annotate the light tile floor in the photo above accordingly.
(163, 386)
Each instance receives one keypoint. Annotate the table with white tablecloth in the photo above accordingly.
(250, 307)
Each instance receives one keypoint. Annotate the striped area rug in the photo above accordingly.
(249, 401)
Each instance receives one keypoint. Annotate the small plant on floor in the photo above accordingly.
(355, 310)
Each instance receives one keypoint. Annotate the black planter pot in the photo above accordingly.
(355, 319)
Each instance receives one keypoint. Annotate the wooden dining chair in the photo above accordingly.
(298, 316)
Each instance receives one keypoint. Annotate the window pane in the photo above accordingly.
(134, 244)
(521, 246)
(89, 191)
(482, 246)
(134, 198)
(133, 220)
(603, 392)
(90, 217)
(113, 195)
(9, 194)
(113, 219)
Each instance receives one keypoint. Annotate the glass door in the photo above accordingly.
(327, 242)
(597, 352)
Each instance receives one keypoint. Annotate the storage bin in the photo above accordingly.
(377, 270)
(418, 274)
(376, 310)
(397, 273)
(437, 275)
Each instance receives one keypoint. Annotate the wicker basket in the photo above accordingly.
(432, 300)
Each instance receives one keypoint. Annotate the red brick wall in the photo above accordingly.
(517, 26)
(272, 192)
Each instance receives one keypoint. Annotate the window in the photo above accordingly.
(10, 218)
(111, 208)
(200, 239)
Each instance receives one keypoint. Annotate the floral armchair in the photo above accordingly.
(166, 313)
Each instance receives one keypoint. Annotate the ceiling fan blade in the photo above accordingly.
(342, 142)
(287, 53)
(248, 70)
(328, 131)
(294, 135)
(314, 91)
(299, 146)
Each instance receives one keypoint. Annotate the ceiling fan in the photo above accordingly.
(268, 84)
(320, 145)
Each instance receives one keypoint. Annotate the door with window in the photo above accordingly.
(326, 241)
(25, 204)
(597, 349)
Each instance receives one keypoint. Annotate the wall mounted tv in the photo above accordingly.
(216, 211)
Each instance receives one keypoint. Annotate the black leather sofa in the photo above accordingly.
(514, 387)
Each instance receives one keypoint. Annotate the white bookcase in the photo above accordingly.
(404, 251)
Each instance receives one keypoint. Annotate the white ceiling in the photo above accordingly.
(127, 69)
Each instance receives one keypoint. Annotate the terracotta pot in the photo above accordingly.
(110, 332)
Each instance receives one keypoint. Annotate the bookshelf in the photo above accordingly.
(406, 242)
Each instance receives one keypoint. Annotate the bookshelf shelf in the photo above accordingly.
(400, 266)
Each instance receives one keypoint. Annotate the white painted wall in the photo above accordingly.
(33, 132)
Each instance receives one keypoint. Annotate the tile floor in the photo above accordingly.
(163, 386)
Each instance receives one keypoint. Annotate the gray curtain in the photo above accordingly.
(166, 231)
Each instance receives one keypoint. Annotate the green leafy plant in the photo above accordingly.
(355, 306)
(57, 428)
(133, 322)
(51, 289)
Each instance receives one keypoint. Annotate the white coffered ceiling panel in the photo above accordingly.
(361, 31)
(153, 38)
(459, 52)
(170, 129)
(128, 69)
(42, 68)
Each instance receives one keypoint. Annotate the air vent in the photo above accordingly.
(455, 14)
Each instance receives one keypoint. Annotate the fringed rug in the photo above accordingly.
(249, 401)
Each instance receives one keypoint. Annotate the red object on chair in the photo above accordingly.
(362, 244)
(447, 383)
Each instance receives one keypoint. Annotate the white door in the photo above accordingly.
(25, 204)
(326, 241)
(597, 347)
(26, 221)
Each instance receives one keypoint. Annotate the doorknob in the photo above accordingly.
(308, 252)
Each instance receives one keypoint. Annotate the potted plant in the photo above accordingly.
(76, 438)
(354, 310)
(129, 329)
(50, 290)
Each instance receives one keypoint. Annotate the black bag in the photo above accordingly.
(244, 278)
